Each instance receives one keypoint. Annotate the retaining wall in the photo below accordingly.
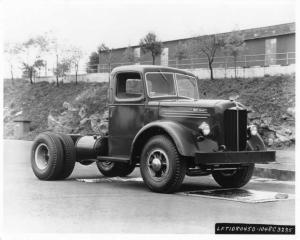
(202, 73)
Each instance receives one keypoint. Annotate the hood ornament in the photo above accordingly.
(234, 97)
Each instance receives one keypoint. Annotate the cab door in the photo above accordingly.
(126, 112)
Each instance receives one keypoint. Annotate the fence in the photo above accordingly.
(246, 66)
(244, 61)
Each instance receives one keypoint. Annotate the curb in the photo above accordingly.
(282, 175)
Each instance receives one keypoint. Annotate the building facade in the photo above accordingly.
(265, 46)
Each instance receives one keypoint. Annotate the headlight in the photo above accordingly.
(253, 130)
(204, 128)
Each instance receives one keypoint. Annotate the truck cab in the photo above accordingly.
(158, 121)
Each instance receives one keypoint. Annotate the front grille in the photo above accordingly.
(230, 129)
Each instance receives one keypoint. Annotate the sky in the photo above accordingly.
(117, 23)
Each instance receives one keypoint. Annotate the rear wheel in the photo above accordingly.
(111, 169)
(234, 178)
(107, 168)
(47, 156)
(161, 166)
(69, 155)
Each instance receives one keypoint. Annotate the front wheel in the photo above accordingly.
(161, 166)
(234, 178)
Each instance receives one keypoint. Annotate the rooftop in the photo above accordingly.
(149, 68)
(252, 33)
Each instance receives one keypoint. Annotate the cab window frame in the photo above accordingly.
(160, 96)
(197, 86)
(128, 99)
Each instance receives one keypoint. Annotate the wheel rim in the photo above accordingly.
(41, 156)
(158, 164)
(107, 165)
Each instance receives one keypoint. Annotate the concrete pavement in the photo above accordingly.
(33, 206)
(282, 169)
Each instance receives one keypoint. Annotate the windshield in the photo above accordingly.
(187, 86)
(162, 84)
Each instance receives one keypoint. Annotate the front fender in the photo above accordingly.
(182, 136)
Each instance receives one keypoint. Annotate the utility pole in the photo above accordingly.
(57, 69)
(45, 68)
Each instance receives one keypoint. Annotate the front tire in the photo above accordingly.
(234, 178)
(161, 166)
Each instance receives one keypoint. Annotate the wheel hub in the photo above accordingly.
(156, 164)
(42, 156)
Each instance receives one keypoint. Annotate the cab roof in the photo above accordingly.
(149, 68)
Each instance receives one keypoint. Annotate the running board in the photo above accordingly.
(113, 159)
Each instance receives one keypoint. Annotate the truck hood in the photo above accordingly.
(192, 105)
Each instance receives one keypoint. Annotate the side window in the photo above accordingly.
(129, 85)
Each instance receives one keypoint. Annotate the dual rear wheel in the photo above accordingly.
(53, 156)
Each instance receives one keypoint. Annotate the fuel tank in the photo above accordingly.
(89, 147)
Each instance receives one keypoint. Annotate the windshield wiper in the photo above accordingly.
(163, 76)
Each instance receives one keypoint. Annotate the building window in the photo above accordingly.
(271, 50)
(137, 54)
(164, 57)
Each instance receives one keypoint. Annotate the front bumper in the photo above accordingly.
(242, 157)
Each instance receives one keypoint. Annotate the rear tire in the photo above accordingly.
(47, 156)
(111, 169)
(69, 155)
(161, 166)
(108, 168)
(234, 178)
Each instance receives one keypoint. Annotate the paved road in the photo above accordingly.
(70, 206)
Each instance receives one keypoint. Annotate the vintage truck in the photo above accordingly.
(158, 121)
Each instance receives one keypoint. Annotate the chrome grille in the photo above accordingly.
(235, 127)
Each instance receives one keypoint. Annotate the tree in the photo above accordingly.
(59, 51)
(234, 44)
(32, 50)
(30, 70)
(128, 55)
(75, 55)
(151, 44)
(62, 68)
(105, 53)
(208, 45)
(93, 62)
(12, 51)
(181, 52)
